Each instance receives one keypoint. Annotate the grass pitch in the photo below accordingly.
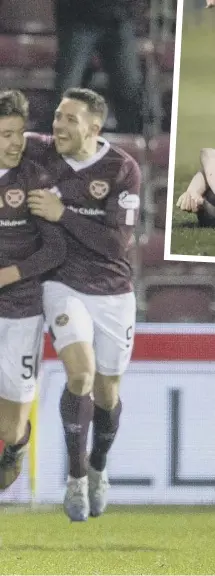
(126, 540)
(196, 127)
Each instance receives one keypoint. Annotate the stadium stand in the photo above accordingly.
(172, 291)
(182, 302)
(28, 50)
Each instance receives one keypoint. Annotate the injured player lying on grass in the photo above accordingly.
(199, 197)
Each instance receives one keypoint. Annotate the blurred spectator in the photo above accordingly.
(166, 107)
(86, 27)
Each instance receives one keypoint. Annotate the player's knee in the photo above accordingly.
(12, 431)
(80, 383)
(79, 363)
(108, 400)
(106, 391)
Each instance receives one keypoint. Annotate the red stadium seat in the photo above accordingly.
(165, 52)
(27, 16)
(171, 291)
(22, 79)
(12, 78)
(151, 258)
(133, 145)
(183, 303)
(157, 170)
(151, 261)
(151, 250)
(158, 151)
(155, 199)
(27, 51)
(160, 200)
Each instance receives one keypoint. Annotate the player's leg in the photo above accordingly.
(15, 432)
(114, 336)
(207, 157)
(76, 409)
(14, 416)
(72, 333)
(107, 410)
(20, 355)
(123, 66)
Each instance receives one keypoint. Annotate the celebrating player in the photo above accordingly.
(29, 247)
(89, 302)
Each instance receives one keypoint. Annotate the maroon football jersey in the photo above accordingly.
(32, 244)
(101, 198)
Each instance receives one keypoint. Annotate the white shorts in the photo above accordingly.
(21, 343)
(106, 322)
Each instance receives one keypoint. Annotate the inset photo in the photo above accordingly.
(190, 217)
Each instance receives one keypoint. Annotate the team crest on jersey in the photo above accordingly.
(99, 189)
(62, 320)
(14, 198)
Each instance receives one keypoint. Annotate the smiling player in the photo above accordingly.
(89, 302)
(29, 247)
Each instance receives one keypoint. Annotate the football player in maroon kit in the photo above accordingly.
(29, 247)
(89, 302)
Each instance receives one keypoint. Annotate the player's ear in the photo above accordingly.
(95, 129)
(24, 143)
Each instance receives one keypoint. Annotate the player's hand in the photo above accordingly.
(210, 3)
(190, 202)
(45, 204)
(9, 275)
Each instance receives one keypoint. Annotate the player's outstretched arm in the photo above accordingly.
(51, 254)
(207, 159)
(193, 198)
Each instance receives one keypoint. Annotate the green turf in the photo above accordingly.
(135, 540)
(196, 127)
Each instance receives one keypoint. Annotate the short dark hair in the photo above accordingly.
(13, 103)
(95, 102)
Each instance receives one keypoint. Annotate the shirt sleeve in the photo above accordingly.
(112, 237)
(51, 254)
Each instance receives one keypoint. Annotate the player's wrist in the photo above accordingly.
(53, 215)
(9, 275)
(62, 213)
(14, 274)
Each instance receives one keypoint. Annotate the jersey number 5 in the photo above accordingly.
(30, 367)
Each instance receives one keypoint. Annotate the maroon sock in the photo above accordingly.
(105, 426)
(24, 440)
(76, 413)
